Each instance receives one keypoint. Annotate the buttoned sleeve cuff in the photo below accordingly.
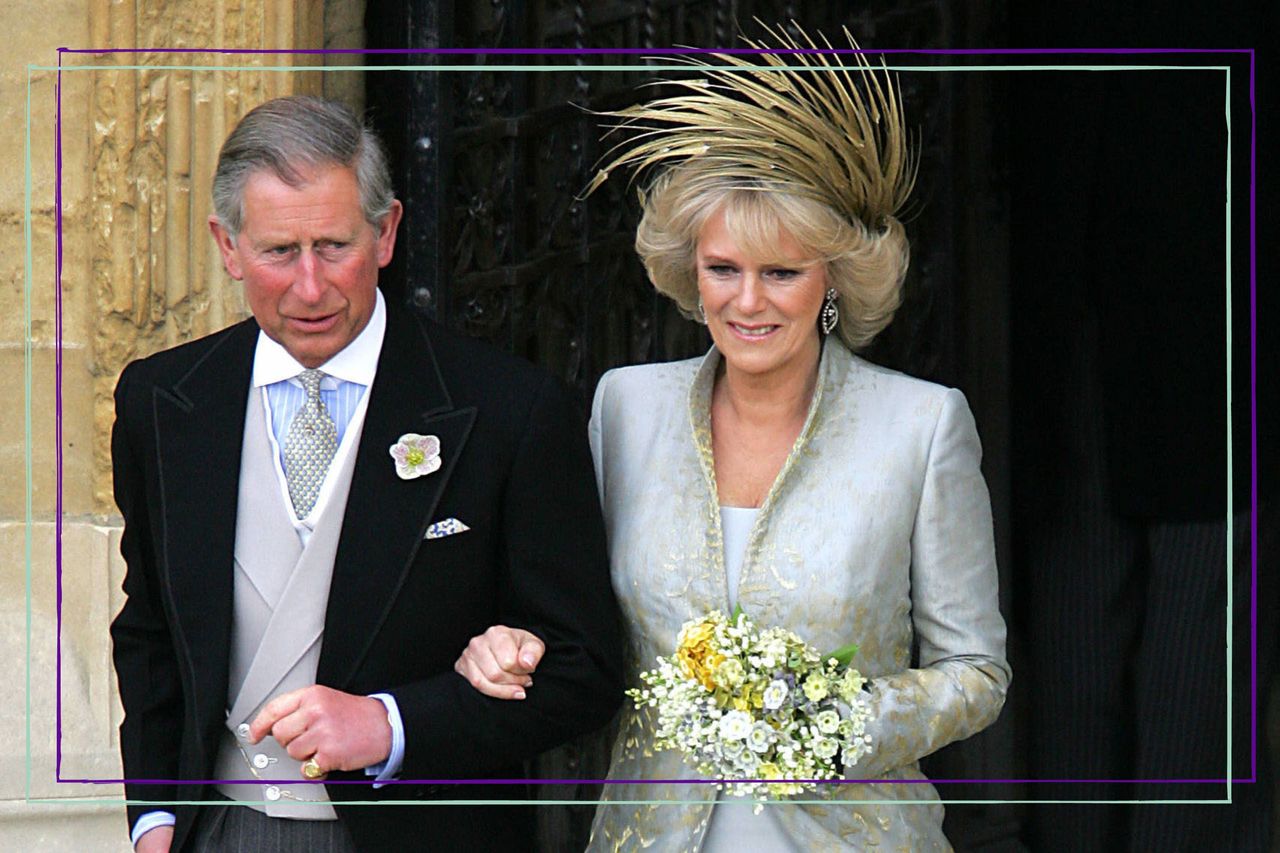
(389, 769)
(148, 822)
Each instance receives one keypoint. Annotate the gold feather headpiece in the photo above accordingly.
(798, 123)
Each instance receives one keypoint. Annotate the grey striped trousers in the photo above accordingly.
(227, 827)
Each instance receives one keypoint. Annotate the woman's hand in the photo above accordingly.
(500, 661)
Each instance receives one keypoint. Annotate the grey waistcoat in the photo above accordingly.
(281, 592)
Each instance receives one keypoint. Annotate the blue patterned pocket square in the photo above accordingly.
(448, 527)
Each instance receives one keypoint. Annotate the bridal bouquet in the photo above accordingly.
(750, 704)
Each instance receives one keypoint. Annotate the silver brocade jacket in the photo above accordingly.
(876, 531)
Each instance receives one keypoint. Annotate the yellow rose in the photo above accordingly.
(696, 653)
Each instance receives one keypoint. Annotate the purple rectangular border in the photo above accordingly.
(1253, 376)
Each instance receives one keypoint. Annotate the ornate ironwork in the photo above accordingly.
(497, 241)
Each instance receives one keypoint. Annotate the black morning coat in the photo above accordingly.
(515, 469)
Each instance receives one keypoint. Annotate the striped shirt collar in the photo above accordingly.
(356, 362)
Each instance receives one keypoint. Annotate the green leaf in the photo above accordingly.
(737, 613)
(844, 654)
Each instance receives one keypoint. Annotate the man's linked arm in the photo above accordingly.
(556, 585)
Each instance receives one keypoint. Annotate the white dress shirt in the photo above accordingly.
(346, 377)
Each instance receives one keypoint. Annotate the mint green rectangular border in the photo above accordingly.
(31, 68)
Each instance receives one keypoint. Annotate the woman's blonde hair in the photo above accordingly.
(865, 266)
(797, 140)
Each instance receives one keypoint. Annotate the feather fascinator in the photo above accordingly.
(796, 122)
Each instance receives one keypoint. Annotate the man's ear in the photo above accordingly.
(227, 246)
(387, 232)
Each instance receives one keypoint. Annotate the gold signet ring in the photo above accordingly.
(311, 769)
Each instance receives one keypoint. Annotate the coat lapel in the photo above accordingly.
(199, 421)
(387, 517)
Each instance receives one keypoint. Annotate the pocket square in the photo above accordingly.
(448, 527)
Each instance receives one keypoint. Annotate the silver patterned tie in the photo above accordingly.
(309, 447)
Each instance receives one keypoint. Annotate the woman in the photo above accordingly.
(781, 472)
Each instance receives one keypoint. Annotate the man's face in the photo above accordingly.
(308, 259)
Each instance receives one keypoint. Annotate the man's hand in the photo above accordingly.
(499, 662)
(339, 730)
(155, 840)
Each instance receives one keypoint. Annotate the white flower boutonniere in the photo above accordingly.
(416, 455)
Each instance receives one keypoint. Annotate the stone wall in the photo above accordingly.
(139, 273)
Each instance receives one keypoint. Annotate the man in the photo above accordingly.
(321, 505)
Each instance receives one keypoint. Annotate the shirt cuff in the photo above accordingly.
(389, 769)
(148, 822)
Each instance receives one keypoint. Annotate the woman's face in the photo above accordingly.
(762, 317)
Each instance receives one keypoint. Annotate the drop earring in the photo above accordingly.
(830, 314)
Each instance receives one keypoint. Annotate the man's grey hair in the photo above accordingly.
(288, 137)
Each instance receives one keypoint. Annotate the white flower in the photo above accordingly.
(729, 673)
(760, 737)
(735, 725)
(815, 686)
(825, 748)
(746, 761)
(828, 721)
(775, 694)
(416, 455)
(850, 684)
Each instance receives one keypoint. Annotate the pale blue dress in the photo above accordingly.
(733, 827)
